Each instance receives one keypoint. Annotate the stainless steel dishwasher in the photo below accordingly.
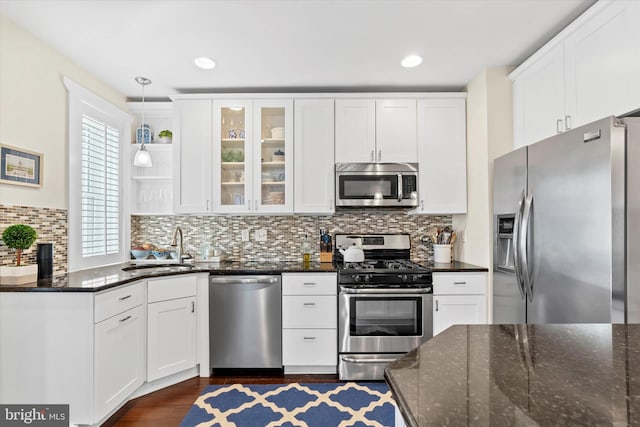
(245, 322)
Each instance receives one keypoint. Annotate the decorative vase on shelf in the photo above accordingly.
(148, 134)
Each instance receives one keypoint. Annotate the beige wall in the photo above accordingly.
(33, 103)
(489, 135)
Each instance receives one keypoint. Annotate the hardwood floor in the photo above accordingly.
(167, 407)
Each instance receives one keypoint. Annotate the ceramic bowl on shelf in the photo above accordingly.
(140, 253)
(277, 133)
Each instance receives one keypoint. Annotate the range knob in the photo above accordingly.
(356, 278)
(367, 278)
(404, 278)
(415, 277)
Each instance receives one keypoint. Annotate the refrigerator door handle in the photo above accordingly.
(524, 240)
(516, 252)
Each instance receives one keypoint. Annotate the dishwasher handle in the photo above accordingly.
(262, 280)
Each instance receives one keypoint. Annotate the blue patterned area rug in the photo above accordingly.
(309, 404)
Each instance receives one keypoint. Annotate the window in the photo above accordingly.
(100, 193)
(97, 229)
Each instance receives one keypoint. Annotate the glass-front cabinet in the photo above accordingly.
(253, 144)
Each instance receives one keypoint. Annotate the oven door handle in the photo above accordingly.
(363, 360)
(386, 291)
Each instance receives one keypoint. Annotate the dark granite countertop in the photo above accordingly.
(455, 266)
(101, 278)
(524, 375)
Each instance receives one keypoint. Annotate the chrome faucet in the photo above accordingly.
(174, 242)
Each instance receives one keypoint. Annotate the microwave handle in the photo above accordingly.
(399, 187)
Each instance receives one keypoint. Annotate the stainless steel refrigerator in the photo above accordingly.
(566, 217)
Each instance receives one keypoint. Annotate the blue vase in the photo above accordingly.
(148, 135)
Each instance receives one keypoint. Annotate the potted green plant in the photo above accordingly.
(165, 136)
(18, 237)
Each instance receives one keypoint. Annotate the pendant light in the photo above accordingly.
(142, 157)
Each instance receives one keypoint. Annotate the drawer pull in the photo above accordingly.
(459, 283)
(125, 319)
(309, 338)
(309, 304)
(124, 297)
(437, 305)
(193, 306)
(309, 284)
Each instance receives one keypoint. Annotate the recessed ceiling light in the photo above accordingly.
(411, 61)
(204, 63)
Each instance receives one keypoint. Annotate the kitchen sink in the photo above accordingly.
(167, 265)
(157, 268)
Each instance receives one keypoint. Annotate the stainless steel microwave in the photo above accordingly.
(376, 184)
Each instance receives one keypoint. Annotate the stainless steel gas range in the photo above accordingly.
(384, 304)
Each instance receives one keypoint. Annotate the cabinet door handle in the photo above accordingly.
(330, 204)
(437, 305)
(422, 205)
(559, 126)
(124, 297)
(249, 204)
(567, 122)
(371, 155)
(309, 304)
(208, 204)
(309, 284)
(193, 306)
(309, 338)
(125, 319)
(255, 205)
(379, 155)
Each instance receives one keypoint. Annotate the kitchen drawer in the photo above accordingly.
(110, 303)
(459, 283)
(309, 347)
(171, 287)
(309, 284)
(309, 311)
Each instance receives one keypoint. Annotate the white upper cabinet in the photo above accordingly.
(396, 130)
(589, 71)
(369, 130)
(192, 156)
(598, 65)
(442, 148)
(314, 156)
(538, 99)
(355, 130)
(253, 156)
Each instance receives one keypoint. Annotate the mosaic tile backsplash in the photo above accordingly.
(51, 226)
(285, 234)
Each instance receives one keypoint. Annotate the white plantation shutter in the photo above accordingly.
(100, 191)
(98, 226)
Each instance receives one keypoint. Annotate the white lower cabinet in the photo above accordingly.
(119, 359)
(83, 349)
(309, 322)
(459, 299)
(171, 332)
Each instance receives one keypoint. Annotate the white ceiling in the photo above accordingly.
(292, 45)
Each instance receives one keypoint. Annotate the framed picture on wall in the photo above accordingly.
(20, 167)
